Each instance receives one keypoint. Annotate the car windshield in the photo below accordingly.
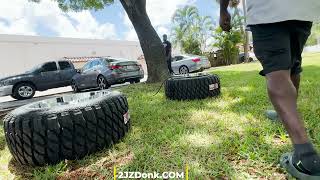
(109, 60)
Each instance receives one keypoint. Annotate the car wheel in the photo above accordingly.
(133, 81)
(74, 87)
(24, 91)
(192, 87)
(102, 83)
(14, 97)
(137, 81)
(184, 70)
(242, 59)
(66, 127)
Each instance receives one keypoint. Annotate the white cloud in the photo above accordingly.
(23, 17)
(20, 26)
(162, 30)
(131, 35)
(160, 13)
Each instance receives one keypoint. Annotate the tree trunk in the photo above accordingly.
(150, 42)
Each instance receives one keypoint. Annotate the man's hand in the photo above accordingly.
(225, 20)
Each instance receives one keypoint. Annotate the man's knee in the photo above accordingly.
(279, 84)
(276, 92)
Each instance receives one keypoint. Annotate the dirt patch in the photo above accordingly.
(258, 172)
(105, 163)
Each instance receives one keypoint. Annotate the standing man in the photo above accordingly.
(280, 29)
(168, 49)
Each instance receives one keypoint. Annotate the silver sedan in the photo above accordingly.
(184, 64)
(101, 73)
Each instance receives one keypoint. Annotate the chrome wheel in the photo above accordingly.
(102, 84)
(25, 91)
(184, 70)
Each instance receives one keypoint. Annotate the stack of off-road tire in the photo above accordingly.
(191, 87)
(68, 127)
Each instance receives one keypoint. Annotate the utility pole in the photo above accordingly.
(246, 35)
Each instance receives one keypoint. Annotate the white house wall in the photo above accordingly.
(20, 53)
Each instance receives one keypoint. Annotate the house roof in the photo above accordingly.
(81, 59)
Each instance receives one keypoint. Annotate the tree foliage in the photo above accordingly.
(191, 46)
(78, 5)
(315, 35)
(228, 42)
(190, 29)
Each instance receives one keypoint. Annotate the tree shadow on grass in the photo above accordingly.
(248, 100)
(218, 137)
(178, 140)
(2, 137)
(261, 141)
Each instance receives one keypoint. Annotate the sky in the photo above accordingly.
(20, 17)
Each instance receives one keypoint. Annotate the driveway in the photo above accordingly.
(7, 103)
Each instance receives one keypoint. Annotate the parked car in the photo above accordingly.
(45, 76)
(252, 57)
(101, 73)
(184, 64)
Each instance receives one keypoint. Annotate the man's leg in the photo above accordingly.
(282, 90)
(272, 44)
(295, 79)
(283, 95)
(169, 62)
(296, 44)
(169, 67)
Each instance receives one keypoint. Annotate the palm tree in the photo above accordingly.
(177, 35)
(184, 20)
(185, 17)
(188, 24)
(204, 27)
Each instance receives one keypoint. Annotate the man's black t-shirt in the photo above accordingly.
(167, 46)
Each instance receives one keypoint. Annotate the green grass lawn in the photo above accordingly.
(219, 138)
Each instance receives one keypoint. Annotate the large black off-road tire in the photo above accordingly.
(192, 87)
(68, 127)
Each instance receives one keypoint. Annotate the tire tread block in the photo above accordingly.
(191, 88)
(38, 139)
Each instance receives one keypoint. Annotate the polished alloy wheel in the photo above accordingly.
(102, 84)
(184, 70)
(25, 91)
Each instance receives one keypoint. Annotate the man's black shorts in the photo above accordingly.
(279, 46)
